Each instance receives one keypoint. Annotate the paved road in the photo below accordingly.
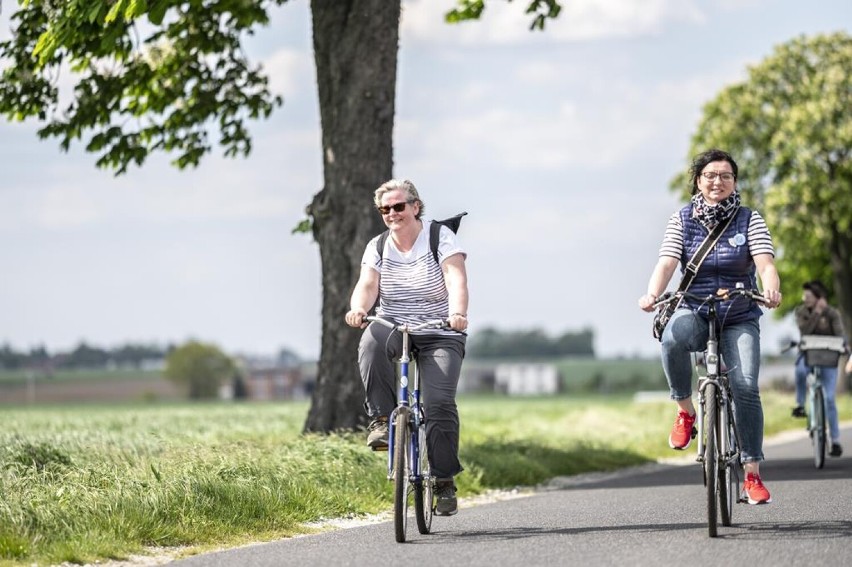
(644, 517)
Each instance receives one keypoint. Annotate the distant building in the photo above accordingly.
(526, 378)
(270, 378)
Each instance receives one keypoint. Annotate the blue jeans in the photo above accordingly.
(828, 376)
(686, 333)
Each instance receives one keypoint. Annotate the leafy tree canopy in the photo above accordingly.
(789, 128)
(200, 368)
(492, 343)
(152, 75)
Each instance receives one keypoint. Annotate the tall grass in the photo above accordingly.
(83, 483)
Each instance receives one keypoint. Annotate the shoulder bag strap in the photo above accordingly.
(700, 254)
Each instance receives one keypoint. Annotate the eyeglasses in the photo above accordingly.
(726, 176)
(398, 207)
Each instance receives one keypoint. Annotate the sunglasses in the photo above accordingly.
(398, 207)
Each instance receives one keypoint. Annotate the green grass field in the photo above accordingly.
(84, 483)
(21, 376)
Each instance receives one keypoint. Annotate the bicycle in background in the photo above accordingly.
(820, 351)
(408, 454)
(718, 439)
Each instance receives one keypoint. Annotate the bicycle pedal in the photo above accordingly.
(380, 449)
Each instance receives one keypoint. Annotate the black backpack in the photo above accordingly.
(434, 234)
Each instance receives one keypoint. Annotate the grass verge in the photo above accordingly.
(80, 484)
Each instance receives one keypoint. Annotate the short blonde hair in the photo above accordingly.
(411, 194)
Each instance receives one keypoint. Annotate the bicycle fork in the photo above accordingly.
(727, 447)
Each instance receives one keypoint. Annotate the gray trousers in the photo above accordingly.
(440, 358)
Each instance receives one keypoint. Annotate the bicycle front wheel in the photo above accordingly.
(401, 469)
(711, 455)
(424, 504)
(819, 435)
(729, 480)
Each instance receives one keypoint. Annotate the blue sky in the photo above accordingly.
(560, 144)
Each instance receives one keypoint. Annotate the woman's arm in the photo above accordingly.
(660, 278)
(363, 297)
(455, 278)
(769, 280)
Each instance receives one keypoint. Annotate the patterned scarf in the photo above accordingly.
(711, 215)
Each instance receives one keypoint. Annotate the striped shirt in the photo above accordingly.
(411, 285)
(758, 238)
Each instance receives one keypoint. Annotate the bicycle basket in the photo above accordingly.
(821, 350)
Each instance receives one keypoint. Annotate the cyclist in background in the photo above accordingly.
(412, 288)
(816, 317)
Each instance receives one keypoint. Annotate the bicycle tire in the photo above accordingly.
(711, 456)
(401, 442)
(424, 500)
(728, 474)
(819, 433)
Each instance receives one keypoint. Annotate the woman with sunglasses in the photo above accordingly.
(744, 250)
(412, 288)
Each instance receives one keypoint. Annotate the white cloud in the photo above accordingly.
(289, 70)
(579, 20)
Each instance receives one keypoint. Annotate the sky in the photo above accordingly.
(561, 145)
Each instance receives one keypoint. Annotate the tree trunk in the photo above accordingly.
(355, 49)
(840, 249)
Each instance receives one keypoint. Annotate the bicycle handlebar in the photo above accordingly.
(720, 296)
(434, 324)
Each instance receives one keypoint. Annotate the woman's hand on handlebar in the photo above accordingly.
(773, 298)
(356, 318)
(457, 322)
(647, 301)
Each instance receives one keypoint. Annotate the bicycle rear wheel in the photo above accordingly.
(711, 461)
(424, 503)
(401, 467)
(729, 481)
(818, 438)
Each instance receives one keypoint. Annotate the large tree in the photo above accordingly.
(164, 84)
(789, 127)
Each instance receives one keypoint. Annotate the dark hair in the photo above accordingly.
(817, 288)
(700, 161)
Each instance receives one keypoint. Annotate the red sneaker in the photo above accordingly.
(683, 431)
(754, 491)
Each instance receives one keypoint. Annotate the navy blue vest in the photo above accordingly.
(727, 264)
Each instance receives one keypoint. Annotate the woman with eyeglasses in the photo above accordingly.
(411, 287)
(743, 251)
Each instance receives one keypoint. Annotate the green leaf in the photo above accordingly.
(157, 12)
(304, 226)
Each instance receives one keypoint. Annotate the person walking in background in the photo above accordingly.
(816, 317)
(743, 251)
(413, 288)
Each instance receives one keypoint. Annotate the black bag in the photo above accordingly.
(664, 313)
(661, 319)
(452, 223)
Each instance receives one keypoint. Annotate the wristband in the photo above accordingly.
(462, 315)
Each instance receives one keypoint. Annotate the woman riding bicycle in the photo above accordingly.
(816, 317)
(744, 248)
(412, 288)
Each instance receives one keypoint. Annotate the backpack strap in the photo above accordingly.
(380, 243)
(434, 235)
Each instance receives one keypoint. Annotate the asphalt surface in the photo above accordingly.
(648, 516)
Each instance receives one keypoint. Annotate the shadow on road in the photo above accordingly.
(486, 535)
(775, 470)
(809, 530)
(803, 469)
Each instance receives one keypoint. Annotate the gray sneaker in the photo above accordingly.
(447, 505)
(377, 438)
